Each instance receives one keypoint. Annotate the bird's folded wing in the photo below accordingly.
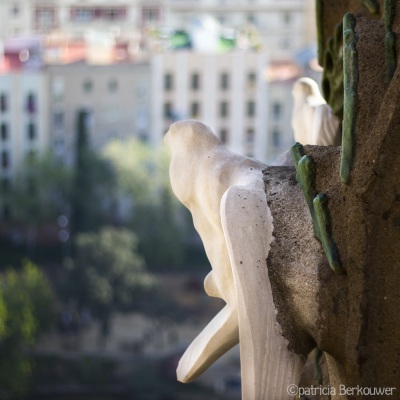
(268, 367)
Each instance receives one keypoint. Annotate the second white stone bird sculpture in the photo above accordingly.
(312, 119)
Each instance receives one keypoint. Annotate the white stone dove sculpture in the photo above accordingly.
(225, 195)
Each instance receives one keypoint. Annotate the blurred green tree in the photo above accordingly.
(37, 196)
(107, 273)
(141, 171)
(41, 190)
(93, 182)
(153, 213)
(26, 309)
(126, 185)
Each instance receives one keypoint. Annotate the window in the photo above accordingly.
(224, 82)
(150, 14)
(276, 138)
(194, 109)
(250, 135)
(3, 102)
(5, 185)
(31, 156)
(223, 109)
(113, 14)
(168, 82)
(287, 18)
(168, 110)
(87, 86)
(251, 19)
(5, 159)
(59, 119)
(59, 146)
(251, 79)
(277, 111)
(45, 18)
(251, 108)
(79, 14)
(15, 9)
(195, 81)
(31, 131)
(223, 135)
(86, 14)
(113, 86)
(31, 103)
(4, 131)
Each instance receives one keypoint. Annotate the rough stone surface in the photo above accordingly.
(305, 289)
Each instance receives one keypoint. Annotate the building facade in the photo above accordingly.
(280, 133)
(16, 18)
(38, 109)
(69, 16)
(228, 92)
(24, 132)
(24, 119)
(117, 97)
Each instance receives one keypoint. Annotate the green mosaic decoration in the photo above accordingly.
(318, 205)
(390, 39)
(324, 222)
(330, 51)
(372, 5)
(349, 129)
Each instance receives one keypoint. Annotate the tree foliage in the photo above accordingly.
(107, 273)
(126, 185)
(93, 182)
(26, 309)
(161, 231)
(156, 217)
(41, 190)
(141, 172)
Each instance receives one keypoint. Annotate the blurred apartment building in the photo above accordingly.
(243, 98)
(117, 97)
(120, 61)
(24, 120)
(38, 109)
(225, 91)
(69, 17)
